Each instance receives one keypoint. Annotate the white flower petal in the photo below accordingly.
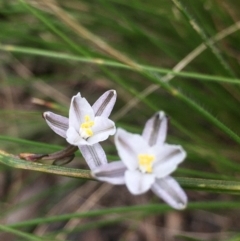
(155, 129)
(104, 105)
(74, 138)
(129, 146)
(58, 123)
(112, 172)
(102, 129)
(138, 182)
(94, 155)
(168, 157)
(170, 191)
(79, 108)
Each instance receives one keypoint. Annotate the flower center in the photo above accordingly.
(145, 162)
(85, 127)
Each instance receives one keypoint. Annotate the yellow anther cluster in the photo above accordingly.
(85, 127)
(145, 162)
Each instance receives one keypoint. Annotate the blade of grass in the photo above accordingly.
(21, 234)
(64, 56)
(48, 23)
(182, 64)
(151, 208)
(232, 187)
(10, 160)
(221, 186)
(27, 142)
(204, 37)
(83, 32)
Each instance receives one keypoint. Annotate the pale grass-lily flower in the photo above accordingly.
(86, 126)
(146, 163)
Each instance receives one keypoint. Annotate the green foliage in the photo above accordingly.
(178, 56)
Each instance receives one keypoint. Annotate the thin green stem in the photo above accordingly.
(204, 37)
(151, 208)
(10, 160)
(232, 187)
(21, 234)
(220, 186)
(30, 143)
(72, 45)
(99, 61)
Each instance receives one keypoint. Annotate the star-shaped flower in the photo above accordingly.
(86, 126)
(146, 163)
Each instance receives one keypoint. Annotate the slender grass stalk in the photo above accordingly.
(99, 61)
(150, 208)
(204, 37)
(68, 41)
(181, 64)
(232, 187)
(21, 234)
(30, 143)
(220, 186)
(16, 162)
(89, 226)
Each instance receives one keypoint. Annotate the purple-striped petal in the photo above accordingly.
(155, 129)
(167, 159)
(105, 103)
(58, 123)
(94, 155)
(112, 172)
(169, 190)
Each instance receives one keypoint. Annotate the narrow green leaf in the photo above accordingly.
(98, 61)
(21, 234)
(151, 208)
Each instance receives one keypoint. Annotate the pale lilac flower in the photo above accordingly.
(146, 163)
(86, 126)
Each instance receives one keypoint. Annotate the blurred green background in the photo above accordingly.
(178, 56)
